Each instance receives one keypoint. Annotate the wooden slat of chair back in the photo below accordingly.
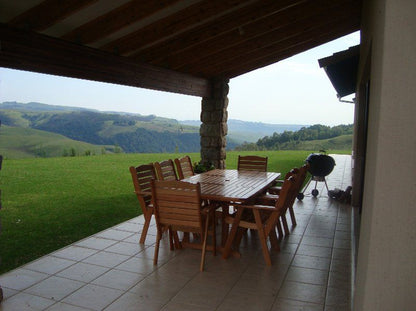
(178, 204)
(252, 163)
(184, 167)
(142, 176)
(165, 170)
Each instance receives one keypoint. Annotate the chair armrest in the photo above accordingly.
(257, 206)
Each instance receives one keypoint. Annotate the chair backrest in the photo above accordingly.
(141, 176)
(178, 205)
(165, 170)
(184, 167)
(252, 163)
(287, 192)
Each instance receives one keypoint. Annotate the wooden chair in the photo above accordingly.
(252, 163)
(165, 170)
(178, 207)
(184, 167)
(264, 219)
(142, 175)
(270, 199)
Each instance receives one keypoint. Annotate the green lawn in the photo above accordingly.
(51, 202)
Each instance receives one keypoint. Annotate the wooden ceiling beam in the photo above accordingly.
(264, 30)
(207, 31)
(289, 51)
(272, 40)
(115, 20)
(47, 13)
(171, 25)
(26, 50)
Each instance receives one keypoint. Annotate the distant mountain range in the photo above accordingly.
(246, 131)
(111, 130)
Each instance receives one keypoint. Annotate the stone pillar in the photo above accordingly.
(214, 128)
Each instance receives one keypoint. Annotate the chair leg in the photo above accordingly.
(239, 236)
(214, 232)
(204, 245)
(262, 237)
(292, 216)
(147, 218)
(170, 235)
(274, 240)
(156, 255)
(231, 235)
(279, 229)
(285, 226)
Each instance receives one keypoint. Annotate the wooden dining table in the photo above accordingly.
(232, 187)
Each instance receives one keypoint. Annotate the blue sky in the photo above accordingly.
(293, 91)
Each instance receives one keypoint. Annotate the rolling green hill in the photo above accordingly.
(19, 142)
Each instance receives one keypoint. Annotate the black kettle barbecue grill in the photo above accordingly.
(320, 165)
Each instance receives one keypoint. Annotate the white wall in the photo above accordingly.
(386, 270)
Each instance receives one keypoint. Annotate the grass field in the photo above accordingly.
(49, 203)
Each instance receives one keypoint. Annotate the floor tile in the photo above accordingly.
(128, 226)
(106, 259)
(247, 300)
(20, 279)
(8, 292)
(295, 305)
(311, 262)
(305, 275)
(25, 302)
(83, 272)
(49, 264)
(125, 248)
(93, 297)
(118, 279)
(303, 292)
(175, 306)
(114, 234)
(54, 288)
(134, 302)
(338, 298)
(317, 251)
(95, 243)
(60, 306)
(137, 265)
(317, 241)
(74, 253)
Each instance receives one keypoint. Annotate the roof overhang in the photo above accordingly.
(179, 46)
(342, 69)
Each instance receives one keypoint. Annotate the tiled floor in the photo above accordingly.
(112, 271)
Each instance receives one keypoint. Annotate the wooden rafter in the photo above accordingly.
(48, 13)
(287, 52)
(117, 19)
(272, 41)
(267, 30)
(173, 24)
(233, 20)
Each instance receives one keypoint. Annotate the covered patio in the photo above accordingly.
(112, 271)
(194, 47)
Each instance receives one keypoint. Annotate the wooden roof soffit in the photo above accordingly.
(26, 50)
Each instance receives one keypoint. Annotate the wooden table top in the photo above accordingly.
(232, 185)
